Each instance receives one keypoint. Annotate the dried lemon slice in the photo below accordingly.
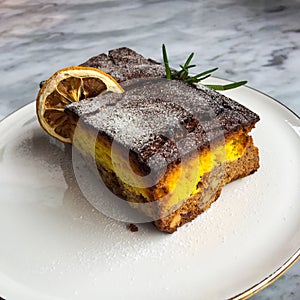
(64, 87)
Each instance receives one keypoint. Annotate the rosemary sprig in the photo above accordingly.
(183, 74)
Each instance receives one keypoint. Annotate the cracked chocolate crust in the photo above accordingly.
(125, 64)
(163, 119)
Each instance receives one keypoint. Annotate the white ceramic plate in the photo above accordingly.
(54, 245)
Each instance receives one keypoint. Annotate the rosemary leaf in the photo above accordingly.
(189, 59)
(185, 76)
(207, 72)
(196, 79)
(187, 67)
(166, 62)
(226, 86)
(204, 77)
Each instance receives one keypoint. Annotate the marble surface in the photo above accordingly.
(255, 40)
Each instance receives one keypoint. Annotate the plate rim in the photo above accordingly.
(256, 288)
(268, 280)
(271, 278)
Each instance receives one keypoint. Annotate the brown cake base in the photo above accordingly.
(195, 205)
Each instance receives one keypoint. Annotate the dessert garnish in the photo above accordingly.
(183, 74)
(69, 85)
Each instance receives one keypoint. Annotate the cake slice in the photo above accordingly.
(164, 146)
(124, 64)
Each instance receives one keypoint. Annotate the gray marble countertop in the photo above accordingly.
(255, 40)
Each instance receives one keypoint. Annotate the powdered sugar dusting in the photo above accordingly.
(125, 64)
(152, 115)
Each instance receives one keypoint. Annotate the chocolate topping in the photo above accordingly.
(124, 64)
(158, 120)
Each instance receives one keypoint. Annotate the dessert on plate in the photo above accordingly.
(164, 146)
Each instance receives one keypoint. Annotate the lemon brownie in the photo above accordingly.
(163, 142)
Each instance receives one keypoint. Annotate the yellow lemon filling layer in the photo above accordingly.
(183, 182)
(176, 185)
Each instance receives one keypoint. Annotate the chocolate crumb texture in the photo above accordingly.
(132, 227)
